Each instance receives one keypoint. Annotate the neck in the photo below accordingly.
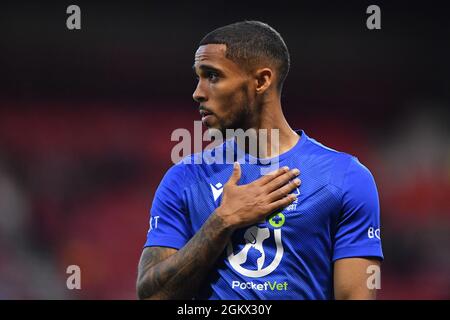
(272, 133)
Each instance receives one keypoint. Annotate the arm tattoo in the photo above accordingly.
(165, 273)
(150, 257)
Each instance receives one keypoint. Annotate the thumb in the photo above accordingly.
(236, 175)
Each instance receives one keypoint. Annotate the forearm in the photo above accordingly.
(181, 274)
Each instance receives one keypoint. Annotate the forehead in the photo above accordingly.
(214, 55)
(210, 51)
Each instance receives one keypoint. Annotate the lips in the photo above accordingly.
(204, 113)
(206, 117)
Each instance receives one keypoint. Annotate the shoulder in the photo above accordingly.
(176, 171)
(340, 167)
(197, 166)
(191, 168)
(322, 152)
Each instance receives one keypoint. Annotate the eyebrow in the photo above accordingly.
(207, 67)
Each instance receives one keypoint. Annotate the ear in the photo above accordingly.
(264, 78)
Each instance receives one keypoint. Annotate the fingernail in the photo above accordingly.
(297, 181)
(296, 171)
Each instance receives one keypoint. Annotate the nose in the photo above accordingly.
(199, 94)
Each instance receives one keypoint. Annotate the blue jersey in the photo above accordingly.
(290, 254)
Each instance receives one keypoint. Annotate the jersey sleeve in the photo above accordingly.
(358, 227)
(169, 222)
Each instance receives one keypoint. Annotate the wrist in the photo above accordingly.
(226, 221)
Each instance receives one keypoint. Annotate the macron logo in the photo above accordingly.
(216, 190)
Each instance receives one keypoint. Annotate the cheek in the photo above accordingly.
(236, 96)
(230, 98)
(226, 98)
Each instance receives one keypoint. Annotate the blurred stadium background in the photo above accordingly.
(86, 118)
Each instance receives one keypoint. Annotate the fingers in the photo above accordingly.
(281, 180)
(283, 202)
(272, 175)
(236, 175)
(285, 190)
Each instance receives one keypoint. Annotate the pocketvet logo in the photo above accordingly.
(277, 220)
(265, 286)
(254, 238)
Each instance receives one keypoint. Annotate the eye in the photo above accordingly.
(213, 76)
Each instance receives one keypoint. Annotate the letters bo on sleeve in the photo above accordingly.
(358, 228)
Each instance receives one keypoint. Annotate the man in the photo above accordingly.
(261, 236)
